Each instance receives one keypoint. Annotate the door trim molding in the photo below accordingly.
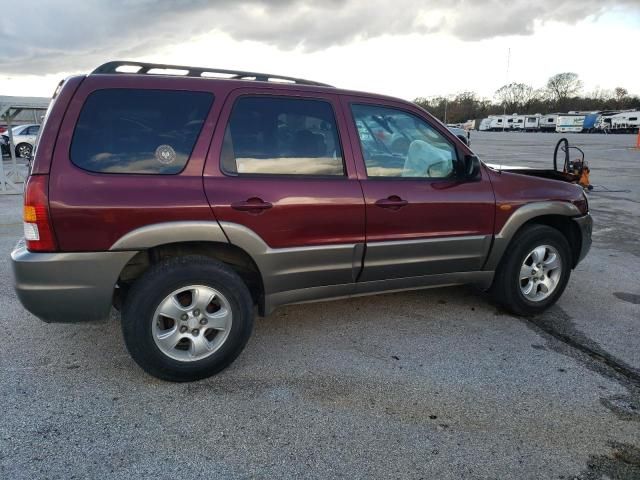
(481, 279)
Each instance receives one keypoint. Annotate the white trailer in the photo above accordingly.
(485, 124)
(496, 123)
(548, 122)
(532, 122)
(568, 123)
(518, 122)
(625, 122)
(508, 121)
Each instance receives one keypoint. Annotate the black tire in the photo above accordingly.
(23, 150)
(160, 281)
(506, 284)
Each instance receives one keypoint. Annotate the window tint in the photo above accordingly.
(138, 131)
(398, 144)
(286, 136)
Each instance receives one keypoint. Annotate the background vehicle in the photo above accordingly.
(4, 145)
(186, 202)
(461, 133)
(24, 138)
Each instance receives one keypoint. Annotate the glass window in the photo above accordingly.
(138, 131)
(282, 136)
(399, 144)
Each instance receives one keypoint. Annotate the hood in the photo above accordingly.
(518, 186)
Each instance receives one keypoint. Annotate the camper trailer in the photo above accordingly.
(485, 124)
(548, 122)
(518, 122)
(625, 122)
(508, 121)
(532, 123)
(496, 123)
(570, 123)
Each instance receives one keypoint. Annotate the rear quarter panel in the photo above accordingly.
(91, 211)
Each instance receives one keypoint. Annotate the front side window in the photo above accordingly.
(282, 136)
(398, 144)
(138, 131)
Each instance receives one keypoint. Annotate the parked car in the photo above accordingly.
(24, 138)
(461, 133)
(186, 202)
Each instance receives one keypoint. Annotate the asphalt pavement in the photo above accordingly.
(433, 384)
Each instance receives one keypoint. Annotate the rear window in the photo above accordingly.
(138, 131)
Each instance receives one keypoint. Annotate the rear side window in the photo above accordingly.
(282, 136)
(138, 131)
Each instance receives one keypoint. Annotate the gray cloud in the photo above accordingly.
(68, 35)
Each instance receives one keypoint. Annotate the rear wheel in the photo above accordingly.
(187, 318)
(534, 270)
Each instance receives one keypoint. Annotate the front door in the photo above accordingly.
(422, 217)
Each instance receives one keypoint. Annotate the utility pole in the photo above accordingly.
(506, 82)
(446, 102)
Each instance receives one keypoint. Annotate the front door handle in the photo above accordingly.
(393, 202)
(252, 205)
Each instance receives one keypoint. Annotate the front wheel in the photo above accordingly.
(187, 318)
(534, 270)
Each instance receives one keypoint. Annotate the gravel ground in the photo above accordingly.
(434, 384)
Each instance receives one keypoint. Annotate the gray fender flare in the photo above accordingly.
(521, 216)
(164, 233)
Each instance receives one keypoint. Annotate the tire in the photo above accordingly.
(23, 150)
(509, 285)
(201, 351)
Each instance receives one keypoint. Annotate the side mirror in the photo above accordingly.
(471, 166)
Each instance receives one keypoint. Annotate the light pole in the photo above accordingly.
(446, 102)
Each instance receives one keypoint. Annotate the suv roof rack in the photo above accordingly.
(143, 68)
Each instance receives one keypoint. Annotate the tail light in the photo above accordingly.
(38, 230)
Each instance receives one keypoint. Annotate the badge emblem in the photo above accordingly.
(165, 154)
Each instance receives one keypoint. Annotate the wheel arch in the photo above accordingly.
(237, 258)
(555, 214)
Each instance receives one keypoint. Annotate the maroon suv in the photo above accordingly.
(187, 196)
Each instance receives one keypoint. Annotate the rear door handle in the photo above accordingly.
(393, 202)
(252, 205)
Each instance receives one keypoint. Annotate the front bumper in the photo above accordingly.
(67, 286)
(585, 224)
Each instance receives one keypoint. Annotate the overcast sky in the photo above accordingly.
(405, 48)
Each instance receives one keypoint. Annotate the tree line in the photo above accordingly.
(562, 93)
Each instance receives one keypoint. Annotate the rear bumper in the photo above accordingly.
(67, 286)
(585, 223)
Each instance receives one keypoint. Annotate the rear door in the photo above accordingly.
(284, 187)
(422, 219)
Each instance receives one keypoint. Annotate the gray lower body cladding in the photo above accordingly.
(67, 287)
(481, 280)
(79, 286)
(585, 223)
